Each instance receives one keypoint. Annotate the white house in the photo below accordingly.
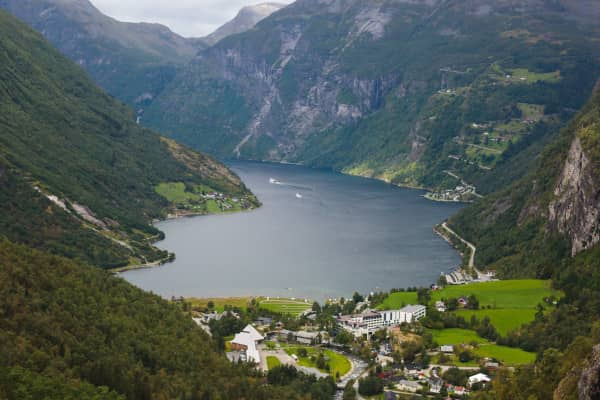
(447, 349)
(479, 378)
(440, 306)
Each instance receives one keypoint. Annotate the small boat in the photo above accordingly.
(274, 181)
(298, 196)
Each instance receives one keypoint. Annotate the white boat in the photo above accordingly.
(298, 196)
(274, 181)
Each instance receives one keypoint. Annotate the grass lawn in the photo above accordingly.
(454, 361)
(213, 207)
(272, 362)
(337, 362)
(455, 336)
(285, 306)
(397, 300)
(526, 293)
(175, 192)
(504, 320)
(220, 303)
(508, 355)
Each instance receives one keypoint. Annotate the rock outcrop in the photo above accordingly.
(588, 387)
(576, 210)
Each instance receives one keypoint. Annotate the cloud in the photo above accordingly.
(192, 18)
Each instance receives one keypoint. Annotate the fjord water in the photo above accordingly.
(319, 234)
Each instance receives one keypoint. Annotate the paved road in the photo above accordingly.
(470, 245)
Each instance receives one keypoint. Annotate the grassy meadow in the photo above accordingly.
(484, 348)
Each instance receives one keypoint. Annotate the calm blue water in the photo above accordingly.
(345, 234)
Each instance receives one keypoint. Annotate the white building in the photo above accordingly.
(371, 321)
(246, 341)
(479, 378)
(440, 306)
(447, 349)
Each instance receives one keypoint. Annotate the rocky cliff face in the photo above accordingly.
(588, 387)
(576, 210)
(386, 88)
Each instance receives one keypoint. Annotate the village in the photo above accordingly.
(367, 346)
(445, 341)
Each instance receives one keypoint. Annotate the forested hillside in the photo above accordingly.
(413, 92)
(69, 331)
(546, 225)
(79, 177)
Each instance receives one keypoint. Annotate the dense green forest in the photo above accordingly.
(69, 331)
(62, 138)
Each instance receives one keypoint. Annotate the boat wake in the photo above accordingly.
(274, 181)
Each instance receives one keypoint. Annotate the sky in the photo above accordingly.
(190, 18)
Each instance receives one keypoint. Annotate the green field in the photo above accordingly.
(455, 336)
(220, 303)
(285, 306)
(399, 299)
(212, 207)
(337, 362)
(504, 320)
(513, 294)
(533, 77)
(176, 192)
(507, 355)
(526, 293)
(273, 362)
(534, 112)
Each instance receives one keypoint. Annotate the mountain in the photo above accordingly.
(552, 214)
(245, 20)
(547, 225)
(78, 176)
(132, 61)
(404, 91)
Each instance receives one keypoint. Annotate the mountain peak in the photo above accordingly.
(245, 20)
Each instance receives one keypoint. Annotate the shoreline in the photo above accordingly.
(156, 239)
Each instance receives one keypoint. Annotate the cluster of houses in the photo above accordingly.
(436, 384)
(370, 321)
(461, 277)
(458, 194)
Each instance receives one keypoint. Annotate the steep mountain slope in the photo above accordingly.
(551, 215)
(78, 177)
(245, 20)
(546, 225)
(73, 332)
(395, 89)
(131, 61)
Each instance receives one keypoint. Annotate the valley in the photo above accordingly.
(300, 257)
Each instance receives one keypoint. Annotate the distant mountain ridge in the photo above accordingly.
(397, 90)
(245, 20)
(132, 61)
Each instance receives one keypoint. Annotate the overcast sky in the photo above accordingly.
(191, 18)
